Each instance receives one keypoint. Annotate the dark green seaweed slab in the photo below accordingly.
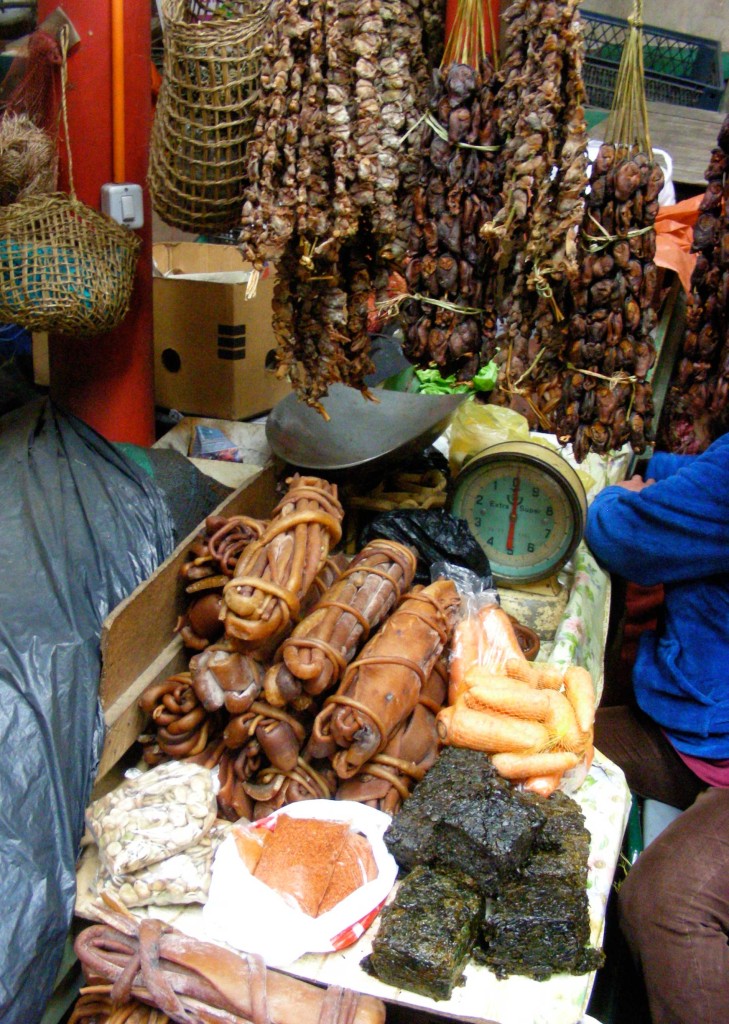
(535, 931)
(540, 924)
(426, 934)
(562, 847)
(464, 816)
(563, 818)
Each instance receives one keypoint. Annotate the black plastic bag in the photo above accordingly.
(436, 535)
(81, 527)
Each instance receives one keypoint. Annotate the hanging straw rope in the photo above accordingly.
(467, 43)
(627, 122)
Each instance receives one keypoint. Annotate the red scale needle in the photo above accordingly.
(512, 516)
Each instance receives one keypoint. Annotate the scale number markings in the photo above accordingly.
(521, 517)
(526, 507)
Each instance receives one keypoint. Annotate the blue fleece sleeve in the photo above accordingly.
(676, 529)
(664, 464)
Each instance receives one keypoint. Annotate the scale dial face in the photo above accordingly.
(526, 510)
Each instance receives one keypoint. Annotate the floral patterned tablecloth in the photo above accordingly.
(582, 632)
(483, 998)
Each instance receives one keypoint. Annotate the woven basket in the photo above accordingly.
(204, 114)
(64, 267)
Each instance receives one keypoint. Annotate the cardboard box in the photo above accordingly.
(213, 347)
(139, 645)
(250, 438)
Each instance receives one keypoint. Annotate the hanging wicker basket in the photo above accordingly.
(64, 267)
(204, 114)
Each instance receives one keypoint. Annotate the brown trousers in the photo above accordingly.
(652, 767)
(674, 913)
(673, 906)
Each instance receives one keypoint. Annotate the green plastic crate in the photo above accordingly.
(679, 69)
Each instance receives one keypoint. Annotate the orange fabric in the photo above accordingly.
(674, 235)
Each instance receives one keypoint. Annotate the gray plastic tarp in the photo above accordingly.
(81, 527)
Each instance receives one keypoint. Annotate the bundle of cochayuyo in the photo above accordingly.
(330, 682)
(341, 88)
(147, 972)
(698, 399)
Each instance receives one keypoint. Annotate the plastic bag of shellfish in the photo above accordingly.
(182, 878)
(149, 818)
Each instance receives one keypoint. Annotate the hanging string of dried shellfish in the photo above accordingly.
(341, 81)
(607, 398)
(447, 314)
(696, 410)
(545, 157)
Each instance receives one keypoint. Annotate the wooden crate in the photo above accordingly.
(139, 645)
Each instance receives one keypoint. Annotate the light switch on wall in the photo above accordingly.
(123, 203)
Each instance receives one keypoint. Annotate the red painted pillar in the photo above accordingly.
(108, 381)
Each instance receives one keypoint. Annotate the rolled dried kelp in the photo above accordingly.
(388, 778)
(186, 978)
(322, 645)
(382, 686)
(183, 726)
(275, 572)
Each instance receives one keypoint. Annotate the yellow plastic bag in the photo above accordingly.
(475, 426)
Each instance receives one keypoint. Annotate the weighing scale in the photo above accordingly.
(527, 507)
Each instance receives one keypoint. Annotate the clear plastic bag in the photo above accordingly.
(150, 818)
(182, 878)
(484, 637)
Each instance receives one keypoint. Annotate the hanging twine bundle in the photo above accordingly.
(64, 267)
(627, 122)
(467, 43)
(203, 117)
(28, 159)
(34, 85)
(29, 124)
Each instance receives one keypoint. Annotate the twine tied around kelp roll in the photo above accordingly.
(64, 267)
(204, 113)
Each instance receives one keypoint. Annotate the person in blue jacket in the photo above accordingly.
(672, 742)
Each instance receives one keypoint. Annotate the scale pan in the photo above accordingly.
(359, 432)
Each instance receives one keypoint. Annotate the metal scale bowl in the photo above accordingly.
(360, 433)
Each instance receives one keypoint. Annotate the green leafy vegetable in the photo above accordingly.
(430, 381)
